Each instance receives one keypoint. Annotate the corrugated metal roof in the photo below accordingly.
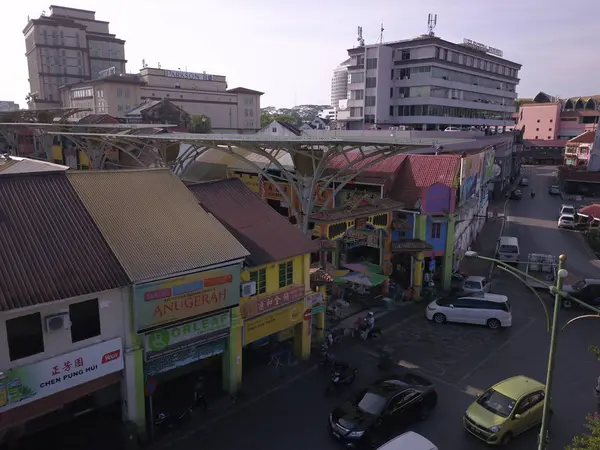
(18, 165)
(153, 223)
(263, 231)
(50, 247)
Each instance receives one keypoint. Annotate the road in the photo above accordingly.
(460, 360)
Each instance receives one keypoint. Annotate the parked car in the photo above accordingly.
(554, 189)
(476, 285)
(566, 221)
(568, 210)
(492, 310)
(409, 441)
(506, 410)
(524, 181)
(516, 194)
(451, 129)
(586, 290)
(387, 404)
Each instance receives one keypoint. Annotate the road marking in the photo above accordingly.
(493, 354)
(234, 410)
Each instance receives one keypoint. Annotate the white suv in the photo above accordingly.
(566, 221)
(568, 210)
(492, 310)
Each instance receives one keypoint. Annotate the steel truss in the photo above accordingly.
(310, 177)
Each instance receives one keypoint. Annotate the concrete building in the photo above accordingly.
(280, 128)
(230, 110)
(66, 47)
(339, 84)
(428, 83)
(7, 106)
(550, 118)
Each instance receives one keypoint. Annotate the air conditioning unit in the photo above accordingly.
(57, 322)
(248, 289)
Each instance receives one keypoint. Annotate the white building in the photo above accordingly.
(280, 128)
(7, 106)
(339, 84)
(429, 83)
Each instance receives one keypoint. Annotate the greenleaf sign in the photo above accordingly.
(168, 340)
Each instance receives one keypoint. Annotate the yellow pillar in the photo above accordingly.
(319, 318)
(232, 357)
(302, 340)
(419, 260)
(387, 253)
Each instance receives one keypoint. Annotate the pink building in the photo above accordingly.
(549, 118)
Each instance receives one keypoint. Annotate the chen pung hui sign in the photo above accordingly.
(166, 301)
(35, 381)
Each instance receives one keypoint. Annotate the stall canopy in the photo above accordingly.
(364, 278)
(364, 267)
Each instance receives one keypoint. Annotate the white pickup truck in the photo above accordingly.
(543, 267)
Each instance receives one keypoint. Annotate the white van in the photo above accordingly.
(409, 441)
(491, 310)
(508, 249)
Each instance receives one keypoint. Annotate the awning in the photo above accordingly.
(411, 245)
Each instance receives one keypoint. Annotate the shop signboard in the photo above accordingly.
(166, 301)
(183, 357)
(271, 302)
(268, 324)
(172, 339)
(44, 378)
(314, 303)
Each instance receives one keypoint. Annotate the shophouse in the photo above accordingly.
(275, 279)
(579, 149)
(185, 270)
(64, 311)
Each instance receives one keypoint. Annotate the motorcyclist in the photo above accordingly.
(532, 193)
(369, 324)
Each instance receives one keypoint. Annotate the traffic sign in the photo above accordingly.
(319, 308)
(150, 386)
(307, 314)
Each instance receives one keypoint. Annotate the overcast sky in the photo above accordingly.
(288, 49)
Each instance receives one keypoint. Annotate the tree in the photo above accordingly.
(200, 124)
(266, 119)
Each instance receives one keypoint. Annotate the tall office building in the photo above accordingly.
(68, 46)
(339, 84)
(428, 83)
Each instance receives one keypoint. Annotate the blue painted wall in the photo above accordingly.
(439, 244)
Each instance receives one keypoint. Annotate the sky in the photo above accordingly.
(289, 49)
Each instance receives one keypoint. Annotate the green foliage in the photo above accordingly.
(266, 119)
(591, 439)
(595, 350)
(200, 124)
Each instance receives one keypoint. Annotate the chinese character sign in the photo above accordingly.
(38, 380)
(273, 301)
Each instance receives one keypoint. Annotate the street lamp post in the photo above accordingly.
(558, 295)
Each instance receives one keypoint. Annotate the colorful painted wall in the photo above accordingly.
(436, 234)
(438, 199)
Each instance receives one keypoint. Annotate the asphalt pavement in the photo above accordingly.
(461, 360)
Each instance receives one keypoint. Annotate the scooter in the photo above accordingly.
(165, 421)
(327, 359)
(341, 375)
(334, 337)
(375, 333)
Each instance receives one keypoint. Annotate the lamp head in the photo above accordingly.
(562, 258)
(471, 254)
(563, 273)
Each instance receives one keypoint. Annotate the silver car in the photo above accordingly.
(476, 285)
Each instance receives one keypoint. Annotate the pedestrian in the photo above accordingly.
(199, 398)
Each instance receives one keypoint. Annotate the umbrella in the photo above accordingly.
(365, 279)
(364, 267)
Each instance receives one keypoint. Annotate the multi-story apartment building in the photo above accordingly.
(428, 83)
(66, 47)
(230, 110)
(7, 106)
(551, 118)
(339, 84)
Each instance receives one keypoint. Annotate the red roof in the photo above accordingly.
(544, 143)
(383, 168)
(592, 210)
(266, 234)
(51, 247)
(587, 137)
(420, 172)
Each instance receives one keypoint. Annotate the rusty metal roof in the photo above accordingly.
(153, 223)
(51, 248)
(268, 235)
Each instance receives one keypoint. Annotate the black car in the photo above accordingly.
(516, 195)
(384, 406)
(586, 290)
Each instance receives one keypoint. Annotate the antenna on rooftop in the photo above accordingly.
(431, 23)
(361, 41)
(381, 35)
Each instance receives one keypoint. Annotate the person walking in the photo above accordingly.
(199, 398)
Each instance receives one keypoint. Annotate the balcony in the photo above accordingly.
(453, 103)
(440, 82)
(357, 67)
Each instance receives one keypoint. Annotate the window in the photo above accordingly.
(357, 95)
(391, 110)
(25, 336)
(537, 129)
(371, 63)
(260, 278)
(286, 274)
(436, 230)
(85, 320)
(119, 92)
(357, 77)
(370, 100)
(405, 55)
(274, 129)
(538, 121)
(371, 82)
(127, 92)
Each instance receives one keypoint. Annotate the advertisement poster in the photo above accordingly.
(271, 323)
(166, 301)
(470, 176)
(488, 165)
(38, 380)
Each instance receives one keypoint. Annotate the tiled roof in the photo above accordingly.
(265, 233)
(291, 128)
(153, 223)
(543, 143)
(51, 248)
(25, 165)
(419, 172)
(382, 169)
(592, 210)
(587, 137)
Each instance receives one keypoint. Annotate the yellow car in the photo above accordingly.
(506, 410)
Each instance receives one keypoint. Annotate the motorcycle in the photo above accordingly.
(375, 333)
(334, 337)
(342, 374)
(327, 360)
(165, 421)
